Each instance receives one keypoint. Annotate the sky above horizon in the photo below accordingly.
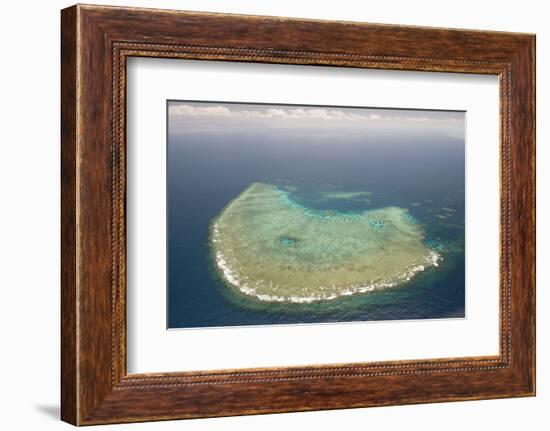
(217, 117)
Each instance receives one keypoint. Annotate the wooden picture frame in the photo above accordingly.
(95, 43)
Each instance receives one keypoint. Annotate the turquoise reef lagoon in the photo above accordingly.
(274, 249)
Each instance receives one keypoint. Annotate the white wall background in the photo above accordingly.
(29, 215)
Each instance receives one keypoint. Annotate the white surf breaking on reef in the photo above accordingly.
(230, 276)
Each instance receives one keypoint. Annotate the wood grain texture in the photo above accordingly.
(69, 367)
(96, 41)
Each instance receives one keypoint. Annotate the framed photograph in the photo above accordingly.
(279, 194)
(263, 214)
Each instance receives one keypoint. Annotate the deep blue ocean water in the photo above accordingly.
(422, 173)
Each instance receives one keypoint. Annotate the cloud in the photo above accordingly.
(216, 111)
(179, 110)
(211, 117)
